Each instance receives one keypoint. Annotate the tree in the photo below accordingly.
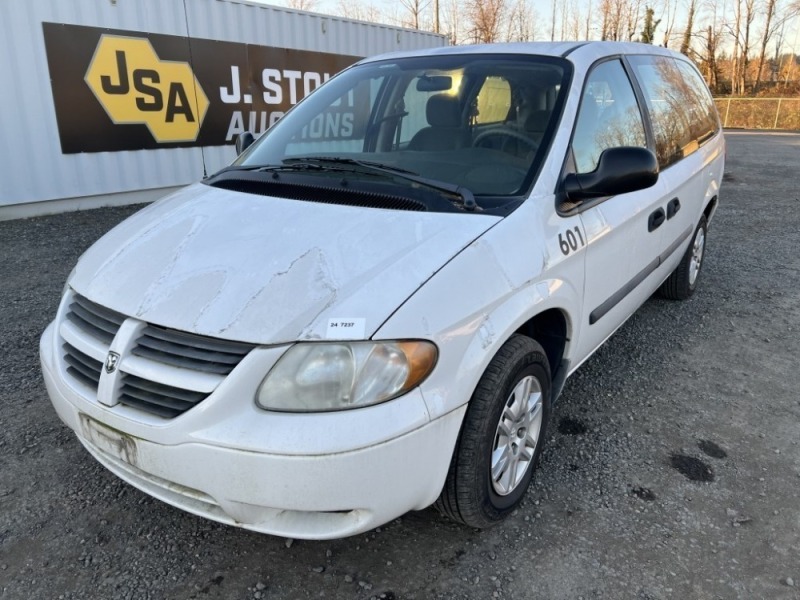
(485, 17)
(521, 23)
(588, 21)
(574, 24)
(633, 14)
(708, 56)
(414, 11)
(744, 15)
(619, 19)
(787, 65)
(452, 20)
(712, 68)
(687, 35)
(607, 28)
(570, 18)
(669, 12)
(649, 31)
(354, 9)
(553, 23)
(775, 20)
(768, 32)
(302, 4)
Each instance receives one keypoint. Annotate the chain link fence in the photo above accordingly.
(759, 113)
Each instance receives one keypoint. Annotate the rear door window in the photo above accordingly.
(670, 104)
(703, 119)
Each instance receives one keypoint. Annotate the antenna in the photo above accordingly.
(194, 83)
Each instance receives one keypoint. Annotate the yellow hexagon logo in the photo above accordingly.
(135, 86)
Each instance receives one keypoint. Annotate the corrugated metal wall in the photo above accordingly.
(32, 166)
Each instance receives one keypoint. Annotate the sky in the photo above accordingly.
(543, 15)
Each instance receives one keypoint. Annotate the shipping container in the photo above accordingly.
(111, 102)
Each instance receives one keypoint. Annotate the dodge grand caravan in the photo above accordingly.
(375, 306)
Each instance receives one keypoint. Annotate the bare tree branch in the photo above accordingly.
(302, 4)
(486, 18)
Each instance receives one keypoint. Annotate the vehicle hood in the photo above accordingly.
(267, 270)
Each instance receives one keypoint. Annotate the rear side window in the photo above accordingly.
(703, 119)
(609, 116)
(681, 109)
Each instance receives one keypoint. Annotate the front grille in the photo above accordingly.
(189, 351)
(99, 322)
(156, 398)
(167, 371)
(82, 367)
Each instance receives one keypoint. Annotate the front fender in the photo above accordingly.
(477, 301)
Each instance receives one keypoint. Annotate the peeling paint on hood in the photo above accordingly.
(267, 270)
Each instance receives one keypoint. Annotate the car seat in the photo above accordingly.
(445, 129)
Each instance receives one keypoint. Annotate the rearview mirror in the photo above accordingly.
(619, 171)
(244, 141)
(434, 83)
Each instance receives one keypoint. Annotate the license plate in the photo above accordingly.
(113, 442)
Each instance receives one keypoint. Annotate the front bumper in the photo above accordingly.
(210, 465)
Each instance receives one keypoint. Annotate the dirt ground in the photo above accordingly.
(672, 468)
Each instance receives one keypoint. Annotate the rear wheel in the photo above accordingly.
(683, 280)
(501, 437)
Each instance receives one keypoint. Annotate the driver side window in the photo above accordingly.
(609, 116)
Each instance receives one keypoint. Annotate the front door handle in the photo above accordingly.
(657, 217)
(673, 206)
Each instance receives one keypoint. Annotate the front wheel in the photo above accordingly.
(501, 438)
(683, 280)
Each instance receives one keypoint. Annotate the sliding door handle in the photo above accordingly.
(655, 220)
(673, 206)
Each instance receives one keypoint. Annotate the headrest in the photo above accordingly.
(442, 110)
(537, 121)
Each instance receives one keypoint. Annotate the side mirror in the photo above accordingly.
(619, 171)
(244, 141)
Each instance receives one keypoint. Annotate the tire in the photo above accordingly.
(682, 282)
(471, 494)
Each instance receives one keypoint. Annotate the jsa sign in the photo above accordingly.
(134, 86)
(123, 90)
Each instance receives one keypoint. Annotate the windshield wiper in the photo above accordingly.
(299, 166)
(368, 166)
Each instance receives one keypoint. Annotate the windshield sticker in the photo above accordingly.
(346, 329)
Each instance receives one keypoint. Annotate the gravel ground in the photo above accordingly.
(673, 468)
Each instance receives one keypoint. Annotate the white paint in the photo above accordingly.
(267, 270)
(273, 272)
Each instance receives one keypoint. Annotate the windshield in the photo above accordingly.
(478, 122)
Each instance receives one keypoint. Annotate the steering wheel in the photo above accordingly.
(503, 131)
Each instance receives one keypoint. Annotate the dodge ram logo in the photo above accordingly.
(134, 86)
(111, 362)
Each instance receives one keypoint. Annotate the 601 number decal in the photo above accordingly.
(571, 240)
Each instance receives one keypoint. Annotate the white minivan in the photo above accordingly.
(375, 306)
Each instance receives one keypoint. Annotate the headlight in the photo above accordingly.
(318, 376)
